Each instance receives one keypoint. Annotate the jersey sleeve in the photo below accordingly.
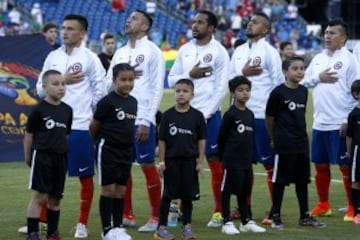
(102, 110)
(163, 130)
(97, 79)
(276, 73)
(311, 78)
(177, 71)
(69, 123)
(202, 127)
(33, 122)
(351, 125)
(223, 133)
(272, 103)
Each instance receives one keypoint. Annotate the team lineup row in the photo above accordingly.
(200, 73)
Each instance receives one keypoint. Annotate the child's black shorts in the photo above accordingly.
(355, 165)
(237, 182)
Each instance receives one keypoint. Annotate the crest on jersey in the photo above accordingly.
(77, 67)
(139, 59)
(338, 65)
(257, 61)
(207, 58)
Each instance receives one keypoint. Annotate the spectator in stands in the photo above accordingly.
(286, 50)
(117, 5)
(235, 22)
(266, 8)
(150, 7)
(292, 11)
(277, 10)
(109, 49)
(282, 34)
(14, 16)
(50, 32)
(156, 36)
(36, 14)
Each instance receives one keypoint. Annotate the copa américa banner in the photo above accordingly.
(21, 60)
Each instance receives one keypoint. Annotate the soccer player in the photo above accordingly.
(261, 64)
(352, 144)
(286, 125)
(331, 73)
(84, 75)
(109, 49)
(205, 61)
(113, 130)
(45, 148)
(149, 66)
(181, 151)
(50, 32)
(235, 142)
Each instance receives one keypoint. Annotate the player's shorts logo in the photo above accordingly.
(50, 124)
(77, 67)
(139, 59)
(207, 58)
(338, 65)
(292, 106)
(173, 130)
(241, 128)
(257, 61)
(120, 115)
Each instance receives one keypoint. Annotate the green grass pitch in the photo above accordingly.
(14, 198)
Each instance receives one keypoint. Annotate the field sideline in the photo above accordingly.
(15, 196)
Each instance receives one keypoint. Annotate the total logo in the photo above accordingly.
(120, 115)
(174, 130)
(242, 128)
(50, 123)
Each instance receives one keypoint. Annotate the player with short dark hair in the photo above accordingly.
(353, 143)
(235, 142)
(113, 130)
(50, 32)
(45, 148)
(181, 152)
(331, 73)
(286, 124)
(205, 61)
(109, 49)
(84, 76)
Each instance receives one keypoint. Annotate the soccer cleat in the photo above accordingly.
(54, 236)
(229, 229)
(129, 220)
(187, 232)
(110, 235)
(235, 214)
(356, 219)
(42, 227)
(81, 231)
(150, 226)
(163, 233)
(216, 220)
(120, 234)
(33, 236)
(251, 226)
(276, 222)
(349, 215)
(323, 209)
(312, 222)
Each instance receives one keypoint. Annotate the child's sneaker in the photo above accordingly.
(33, 236)
(322, 209)
(129, 220)
(150, 226)
(229, 229)
(349, 215)
(54, 236)
(120, 233)
(81, 231)
(162, 233)
(187, 233)
(251, 226)
(276, 222)
(356, 219)
(216, 220)
(42, 227)
(312, 222)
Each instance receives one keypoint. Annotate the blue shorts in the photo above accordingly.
(263, 153)
(81, 154)
(145, 152)
(328, 147)
(212, 131)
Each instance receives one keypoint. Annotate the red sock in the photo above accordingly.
(269, 174)
(128, 197)
(345, 170)
(43, 213)
(322, 181)
(154, 188)
(86, 196)
(217, 171)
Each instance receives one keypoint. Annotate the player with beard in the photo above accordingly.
(261, 64)
(206, 62)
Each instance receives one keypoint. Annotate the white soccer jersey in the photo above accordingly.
(264, 55)
(211, 90)
(82, 96)
(332, 101)
(356, 52)
(148, 88)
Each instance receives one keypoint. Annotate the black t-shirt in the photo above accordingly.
(105, 60)
(288, 107)
(181, 132)
(353, 129)
(236, 139)
(50, 124)
(117, 116)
